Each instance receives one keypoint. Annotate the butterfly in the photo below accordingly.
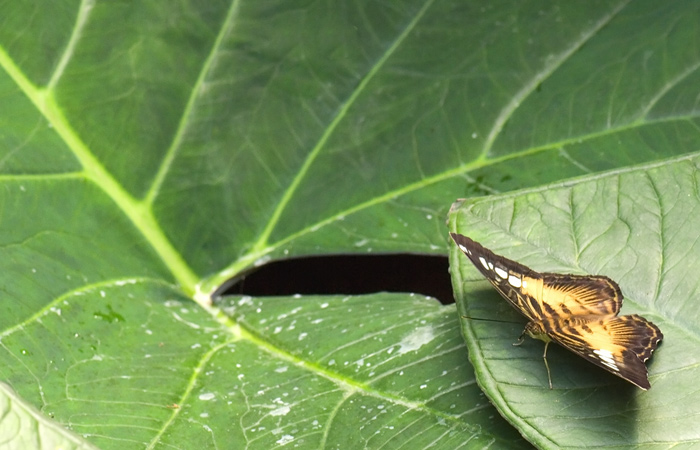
(577, 312)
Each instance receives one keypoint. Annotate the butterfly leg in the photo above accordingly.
(546, 364)
(520, 340)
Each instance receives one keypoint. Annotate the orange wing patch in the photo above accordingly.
(575, 295)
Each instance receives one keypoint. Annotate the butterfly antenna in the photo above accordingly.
(488, 320)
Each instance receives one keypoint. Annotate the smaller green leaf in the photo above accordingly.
(23, 427)
(637, 226)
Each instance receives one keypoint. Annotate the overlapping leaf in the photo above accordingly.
(635, 226)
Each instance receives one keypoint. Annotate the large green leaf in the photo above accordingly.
(392, 364)
(637, 226)
(149, 152)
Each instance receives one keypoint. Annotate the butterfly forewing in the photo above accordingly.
(505, 275)
(539, 295)
(578, 312)
(568, 295)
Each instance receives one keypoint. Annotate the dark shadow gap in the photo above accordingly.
(349, 275)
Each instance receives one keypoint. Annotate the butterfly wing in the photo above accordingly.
(620, 345)
(577, 312)
(539, 295)
(577, 295)
(504, 274)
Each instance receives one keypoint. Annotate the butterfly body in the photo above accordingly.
(578, 312)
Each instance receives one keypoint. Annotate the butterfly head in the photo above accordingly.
(536, 330)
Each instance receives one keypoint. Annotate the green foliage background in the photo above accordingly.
(151, 151)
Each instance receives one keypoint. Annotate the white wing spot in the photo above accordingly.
(514, 281)
(465, 249)
(483, 262)
(491, 265)
(501, 273)
(606, 357)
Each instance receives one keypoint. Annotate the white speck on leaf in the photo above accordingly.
(207, 396)
(245, 301)
(285, 439)
(262, 261)
(281, 411)
(416, 339)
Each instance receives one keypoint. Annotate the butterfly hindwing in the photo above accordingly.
(621, 345)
